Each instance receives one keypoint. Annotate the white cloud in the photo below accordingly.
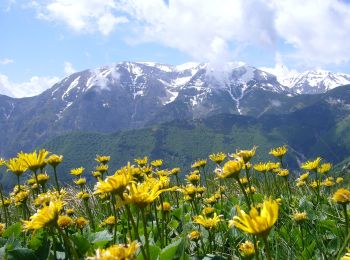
(283, 74)
(68, 68)
(33, 87)
(6, 61)
(317, 29)
(306, 31)
(83, 15)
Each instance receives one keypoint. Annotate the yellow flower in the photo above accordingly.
(64, 222)
(102, 159)
(246, 249)
(145, 193)
(141, 161)
(303, 177)
(123, 252)
(166, 207)
(34, 160)
(246, 155)
(6, 203)
(193, 178)
(43, 178)
(299, 216)
(211, 200)
(261, 167)
(208, 211)
(199, 164)
(54, 160)
(231, 169)
(279, 152)
(311, 165)
(175, 171)
(190, 190)
(315, 184)
(2, 161)
(157, 163)
(251, 190)
(77, 171)
(346, 256)
(111, 220)
(115, 184)
(21, 197)
(207, 223)
(17, 166)
(102, 168)
(81, 222)
(2, 228)
(324, 168)
(257, 223)
(283, 172)
(83, 195)
(70, 211)
(194, 235)
(339, 180)
(96, 174)
(80, 181)
(217, 158)
(243, 180)
(328, 182)
(45, 216)
(271, 166)
(341, 196)
(300, 183)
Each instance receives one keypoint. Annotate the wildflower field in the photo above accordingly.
(226, 206)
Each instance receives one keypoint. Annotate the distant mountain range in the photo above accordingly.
(132, 95)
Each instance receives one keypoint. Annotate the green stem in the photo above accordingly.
(302, 236)
(256, 248)
(37, 182)
(244, 192)
(19, 186)
(56, 180)
(136, 232)
(346, 220)
(267, 248)
(68, 244)
(158, 228)
(249, 183)
(3, 205)
(89, 214)
(115, 218)
(144, 222)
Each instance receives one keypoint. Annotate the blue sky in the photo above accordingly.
(42, 41)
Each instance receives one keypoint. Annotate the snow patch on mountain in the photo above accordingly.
(318, 81)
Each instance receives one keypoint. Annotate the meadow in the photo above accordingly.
(226, 206)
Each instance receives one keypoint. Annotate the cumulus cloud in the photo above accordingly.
(6, 61)
(68, 68)
(83, 15)
(33, 87)
(283, 74)
(305, 31)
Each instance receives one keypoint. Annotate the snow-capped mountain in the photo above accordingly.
(131, 95)
(317, 81)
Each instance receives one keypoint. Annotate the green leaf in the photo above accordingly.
(13, 230)
(154, 253)
(309, 251)
(37, 240)
(173, 250)
(173, 224)
(81, 244)
(213, 257)
(101, 238)
(21, 253)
